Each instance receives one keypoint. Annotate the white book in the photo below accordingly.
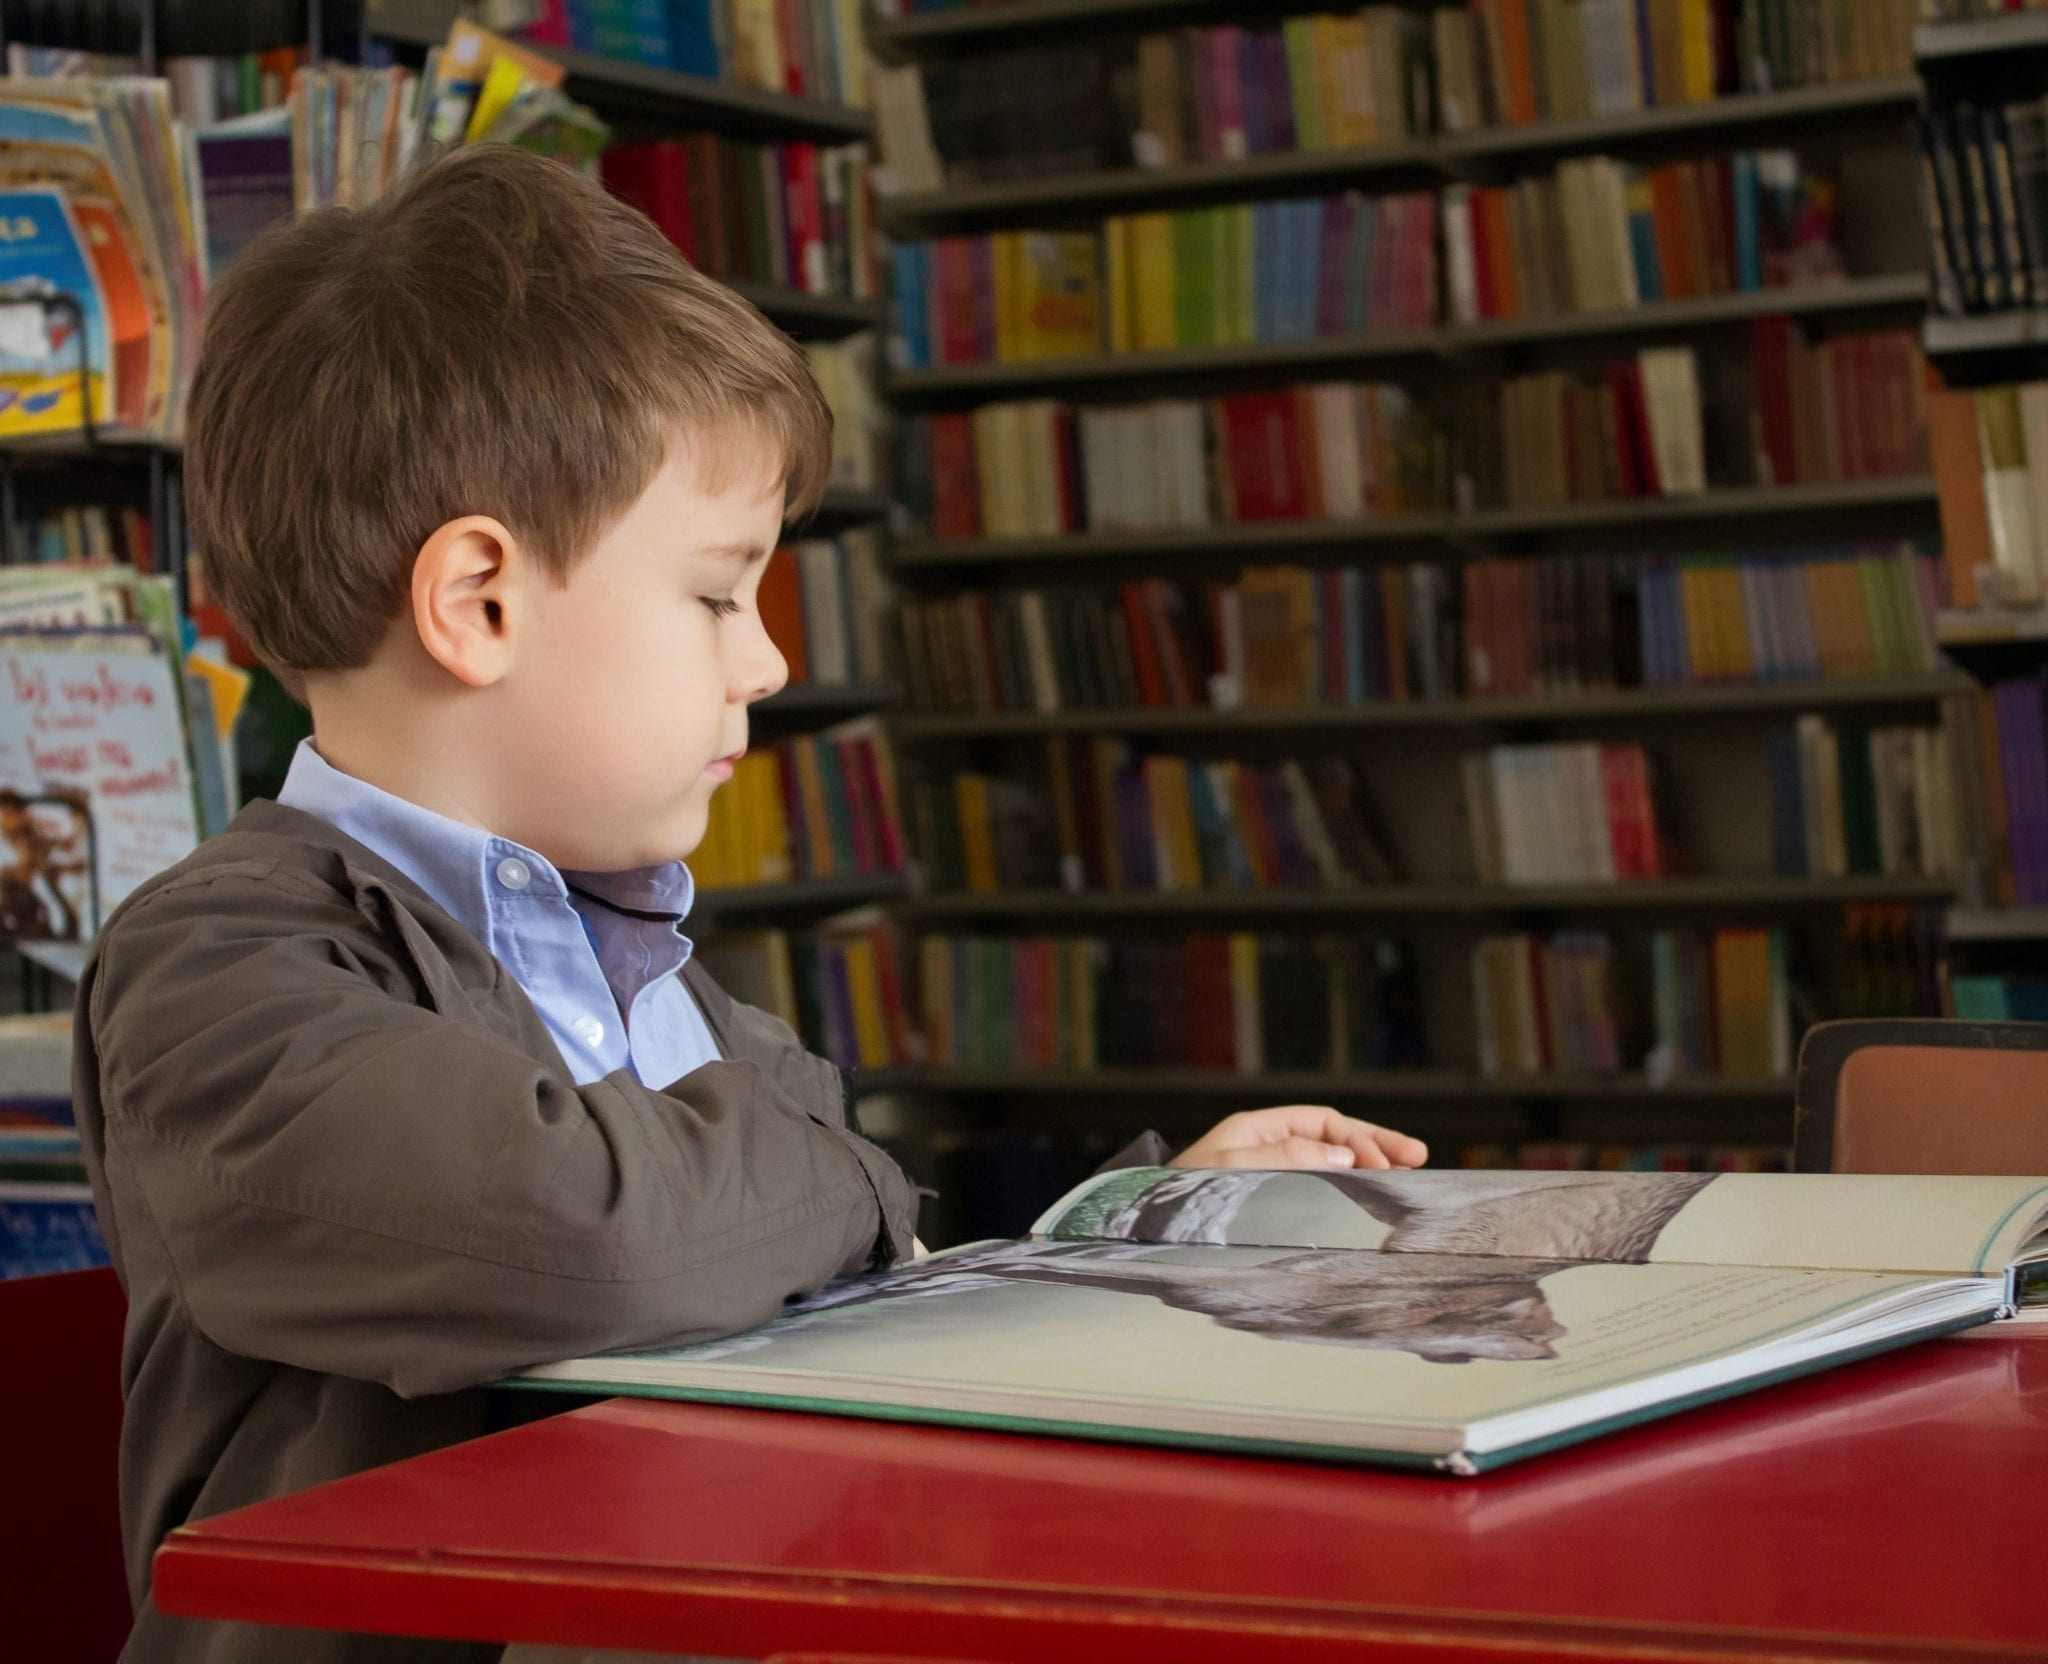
(1671, 395)
(2008, 494)
(1336, 423)
(1461, 262)
(1045, 685)
(2033, 400)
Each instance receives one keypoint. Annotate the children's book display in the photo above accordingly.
(1446, 1320)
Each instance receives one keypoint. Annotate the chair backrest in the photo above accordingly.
(63, 1593)
(1922, 1097)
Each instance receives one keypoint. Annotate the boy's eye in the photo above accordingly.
(723, 606)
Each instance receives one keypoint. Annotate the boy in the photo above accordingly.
(408, 1079)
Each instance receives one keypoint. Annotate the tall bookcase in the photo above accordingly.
(1712, 738)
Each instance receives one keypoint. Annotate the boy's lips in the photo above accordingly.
(720, 768)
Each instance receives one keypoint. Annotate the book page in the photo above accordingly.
(1955, 1226)
(1303, 1344)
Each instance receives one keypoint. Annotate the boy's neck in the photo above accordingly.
(403, 741)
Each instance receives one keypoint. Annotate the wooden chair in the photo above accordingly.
(1924, 1096)
(63, 1593)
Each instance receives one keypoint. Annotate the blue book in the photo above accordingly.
(1642, 244)
(54, 366)
(692, 41)
(1306, 274)
(1266, 270)
(1745, 186)
(910, 265)
(48, 1227)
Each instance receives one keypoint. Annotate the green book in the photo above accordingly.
(1859, 802)
(1451, 1321)
(1194, 278)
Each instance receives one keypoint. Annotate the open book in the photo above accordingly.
(1455, 1320)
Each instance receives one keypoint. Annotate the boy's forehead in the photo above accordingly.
(742, 469)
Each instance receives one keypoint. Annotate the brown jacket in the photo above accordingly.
(347, 1180)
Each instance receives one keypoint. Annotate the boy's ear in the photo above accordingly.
(463, 578)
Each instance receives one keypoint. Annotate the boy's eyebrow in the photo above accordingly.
(739, 554)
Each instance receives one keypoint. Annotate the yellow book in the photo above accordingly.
(1059, 294)
(1696, 51)
(1700, 642)
(935, 986)
(1007, 249)
(1244, 1004)
(1116, 277)
(1152, 281)
(864, 994)
(1346, 59)
(1727, 588)
(768, 820)
(1173, 811)
(1742, 979)
(977, 832)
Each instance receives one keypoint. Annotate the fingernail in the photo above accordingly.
(1338, 1156)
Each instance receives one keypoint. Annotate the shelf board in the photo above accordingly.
(812, 316)
(1448, 157)
(804, 896)
(814, 699)
(1946, 41)
(1991, 627)
(1906, 292)
(1312, 1086)
(845, 505)
(1998, 924)
(991, 26)
(1103, 190)
(620, 86)
(1319, 906)
(1593, 705)
(1722, 117)
(1987, 332)
(1265, 538)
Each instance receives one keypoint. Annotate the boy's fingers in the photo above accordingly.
(1310, 1153)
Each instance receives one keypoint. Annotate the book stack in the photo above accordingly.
(1033, 468)
(116, 753)
(822, 602)
(1599, 234)
(811, 48)
(90, 535)
(1513, 62)
(839, 987)
(797, 216)
(1984, 195)
(1546, 1006)
(1990, 450)
(1579, 1157)
(1006, 298)
(1228, 1002)
(1721, 1002)
(1851, 800)
(1563, 814)
(46, 1214)
(845, 372)
(817, 806)
(95, 181)
(1110, 820)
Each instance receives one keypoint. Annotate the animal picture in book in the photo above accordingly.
(54, 358)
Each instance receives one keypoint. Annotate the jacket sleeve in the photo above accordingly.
(345, 1179)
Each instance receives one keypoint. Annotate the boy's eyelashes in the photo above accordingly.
(723, 606)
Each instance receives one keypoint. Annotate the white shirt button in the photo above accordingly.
(514, 873)
(590, 1031)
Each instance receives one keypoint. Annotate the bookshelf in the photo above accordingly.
(1951, 40)
(1712, 733)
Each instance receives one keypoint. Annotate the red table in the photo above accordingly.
(1894, 1510)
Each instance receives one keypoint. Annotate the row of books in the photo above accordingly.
(1789, 412)
(1720, 1005)
(1374, 77)
(1513, 62)
(1984, 196)
(823, 604)
(2012, 759)
(1038, 467)
(1849, 800)
(798, 216)
(1229, 1002)
(1109, 820)
(1599, 234)
(1990, 457)
(845, 373)
(1241, 274)
(93, 535)
(1983, 998)
(812, 48)
(206, 90)
(1665, 422)
(840, 987)
(1283, 636)
(817, 806)
(1576, 813)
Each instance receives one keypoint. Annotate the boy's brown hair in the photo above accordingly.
(496, 336)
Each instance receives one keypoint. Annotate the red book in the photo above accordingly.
(892, 995)
(1067, 456)
(1180, 677)
(787, 37)
(1205, 965)
(654, 178)
(953, 282)
(1394, 622)
(888, 835)
(1840, 367)
(956, 505)
(1224, 57)
(1255, 829)
(1264, 437)
(1485, 277)
(781, 600)
(1635, 454)
(1144, 659)
(1540, 1001)
(706, 173)
(860, 808)
(1336, 654)
(808, 267)
(1200, 61)
(981, 266)
(1770, 348)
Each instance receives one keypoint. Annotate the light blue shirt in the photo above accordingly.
(597, 953)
